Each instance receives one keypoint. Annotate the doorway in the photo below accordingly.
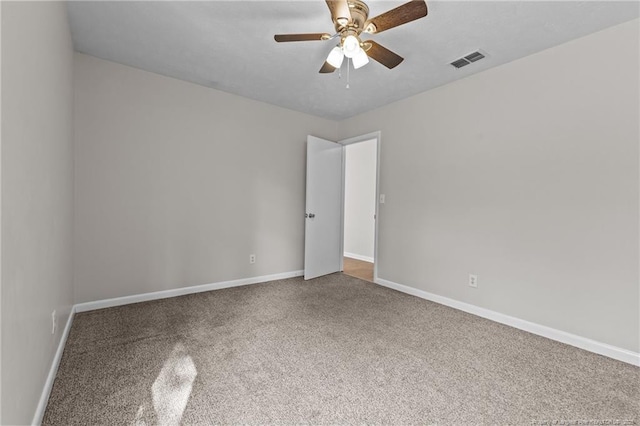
(360, 161)
(325, 213)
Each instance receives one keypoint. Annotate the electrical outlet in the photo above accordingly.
(252, 258)
(54, 322)
(382, 198)
(473, 280)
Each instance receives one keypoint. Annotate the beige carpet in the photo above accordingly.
(334, 350)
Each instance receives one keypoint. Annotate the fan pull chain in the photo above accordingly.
(348, 59)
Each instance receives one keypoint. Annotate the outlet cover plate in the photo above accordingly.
(473, 281)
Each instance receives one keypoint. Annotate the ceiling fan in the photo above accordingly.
(350, 18)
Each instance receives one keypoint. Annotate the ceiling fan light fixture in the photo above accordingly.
(335, 57)
(350, 46)
(351, 19)
(360, 59)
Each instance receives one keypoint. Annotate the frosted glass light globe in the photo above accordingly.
(350, 46)
(335, 57)
(360, 59)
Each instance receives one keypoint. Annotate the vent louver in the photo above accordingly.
(475, 56)
(460, 63)
(468, 59)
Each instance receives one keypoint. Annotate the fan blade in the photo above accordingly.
(383, 55)
(408, 12)
(327, 68)
(339, 11)
(301, 37)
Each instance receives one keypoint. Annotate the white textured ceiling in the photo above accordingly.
(228, 45)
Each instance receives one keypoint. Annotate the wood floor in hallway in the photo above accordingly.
(358, 268)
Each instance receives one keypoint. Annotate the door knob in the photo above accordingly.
(311, 215)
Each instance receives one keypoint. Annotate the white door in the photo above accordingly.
(323, 223)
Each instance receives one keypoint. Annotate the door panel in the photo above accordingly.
(323, 224)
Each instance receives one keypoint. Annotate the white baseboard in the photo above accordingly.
(600, 348)
(46, 391)
(358, 257)
(144, 297)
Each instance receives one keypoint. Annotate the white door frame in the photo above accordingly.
(378, 138)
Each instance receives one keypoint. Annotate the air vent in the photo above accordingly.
(475, 56)
(460, 63)
(468, 59)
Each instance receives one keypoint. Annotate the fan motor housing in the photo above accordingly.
(359, 14)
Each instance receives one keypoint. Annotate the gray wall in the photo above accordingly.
(37, 190)
(526, 175)
(176, 184)
(360, 198)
